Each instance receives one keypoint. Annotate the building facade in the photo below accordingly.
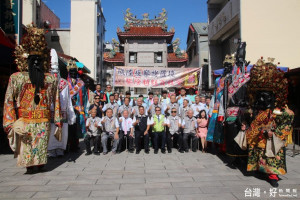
(269, 28)
(197, 50)
(88, 34)
(144, 43)
(59, 39)
(38, 13)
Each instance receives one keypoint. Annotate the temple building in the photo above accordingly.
(143, 43)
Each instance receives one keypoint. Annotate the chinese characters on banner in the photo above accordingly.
(155, 77)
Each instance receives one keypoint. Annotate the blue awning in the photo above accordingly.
(219, 72)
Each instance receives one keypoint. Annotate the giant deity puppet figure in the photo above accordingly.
(272, 122)
(218, 104)
(79, 97)
(57, 146)
(28, 98)
(237, 116)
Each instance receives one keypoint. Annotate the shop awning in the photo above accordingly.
(7, 48)
(219, 72)
(6, 41)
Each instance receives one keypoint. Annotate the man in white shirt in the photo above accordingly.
(126, 132)
(165, 100)
(198, 106)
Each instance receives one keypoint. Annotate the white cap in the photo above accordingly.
(54, 61)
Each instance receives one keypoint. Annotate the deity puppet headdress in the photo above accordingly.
(266, 77)
(72, 64)
(33, 43)
(229, 59)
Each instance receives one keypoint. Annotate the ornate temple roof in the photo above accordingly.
(145, 28)
(145, 32)
(116, 58)
(172, 57)
(119, 58)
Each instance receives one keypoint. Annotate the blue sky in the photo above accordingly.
(180, 13)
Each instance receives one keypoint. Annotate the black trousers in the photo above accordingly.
(186, 136)
(162, 137)
(95, 140)
(177, 138)
(73, 140)
(122, 138)
(138, 136)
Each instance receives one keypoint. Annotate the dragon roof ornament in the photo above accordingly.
(132, 21)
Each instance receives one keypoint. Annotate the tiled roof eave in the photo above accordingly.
(145, 35)
(112, 60)
(178, 61)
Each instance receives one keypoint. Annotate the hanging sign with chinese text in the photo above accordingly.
(155, 77)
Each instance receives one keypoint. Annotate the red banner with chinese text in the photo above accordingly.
(157, 77)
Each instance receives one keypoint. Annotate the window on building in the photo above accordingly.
(158, 57)
(132, 57)
(54, 38)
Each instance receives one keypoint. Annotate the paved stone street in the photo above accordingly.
(130, 176)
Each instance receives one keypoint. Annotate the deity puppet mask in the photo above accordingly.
(265, 100)
(227, 68)
(228, 64)
(73, 73)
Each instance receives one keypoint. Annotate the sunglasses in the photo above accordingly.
(157, 110)
(173, 112)
(97, 98)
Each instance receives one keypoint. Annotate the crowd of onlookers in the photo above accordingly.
(156, 121)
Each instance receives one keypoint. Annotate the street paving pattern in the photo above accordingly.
(129, 176)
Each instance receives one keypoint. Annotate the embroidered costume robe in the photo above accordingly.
(22, 115)
(235, 114)
(79, 97)
(68, 117)
(257, 141)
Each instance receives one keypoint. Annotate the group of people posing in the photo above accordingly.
(157, 121)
